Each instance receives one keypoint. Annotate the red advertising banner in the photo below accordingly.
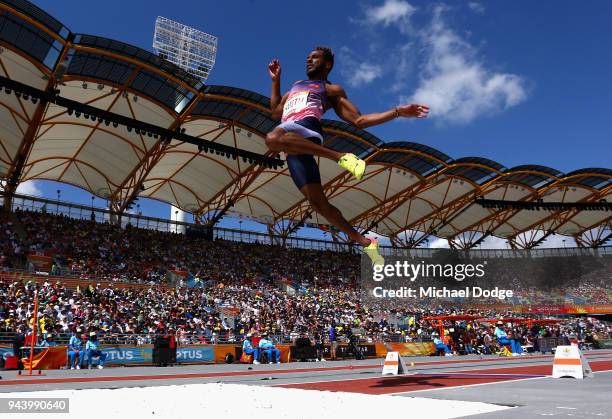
(42, 261)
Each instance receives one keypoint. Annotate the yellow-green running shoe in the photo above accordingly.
(353, 164)
(372, 251)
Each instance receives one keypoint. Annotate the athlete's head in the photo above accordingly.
(319, 62)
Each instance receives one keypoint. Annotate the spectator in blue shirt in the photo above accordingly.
(75, 347)
(502, 339)
(247, 348)
(91, 349)
(333, 340)
(440, 344)
(49, 340)
(267, 346)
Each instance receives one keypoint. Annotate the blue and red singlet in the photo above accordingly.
(302, 112)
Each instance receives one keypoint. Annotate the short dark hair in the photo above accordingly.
(328, 55)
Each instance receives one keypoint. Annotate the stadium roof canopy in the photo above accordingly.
(411, 191)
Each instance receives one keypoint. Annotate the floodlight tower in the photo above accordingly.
(188, 48)
(192, 50)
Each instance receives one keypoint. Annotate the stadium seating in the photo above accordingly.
(119, 281)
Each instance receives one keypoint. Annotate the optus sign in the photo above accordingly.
(126, 355)
(194, 354)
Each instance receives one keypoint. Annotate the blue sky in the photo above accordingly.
(517, 82)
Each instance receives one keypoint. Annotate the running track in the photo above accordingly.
(465, 372)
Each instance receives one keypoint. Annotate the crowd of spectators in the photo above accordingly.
(268, 289)
(101, 250)
(196, 316)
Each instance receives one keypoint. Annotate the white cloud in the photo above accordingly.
(493, 242)
(355, 72)
(556, 240)
(438, 243)
(553, 241)
(455, 84)
(490, 242)
(476, 7)
(365, 73)
(29, 187)
(391, 12)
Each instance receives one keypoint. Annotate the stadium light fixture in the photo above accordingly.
(100, 115)
(190, 49)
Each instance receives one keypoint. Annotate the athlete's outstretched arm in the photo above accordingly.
(276, 101)
(346, 110)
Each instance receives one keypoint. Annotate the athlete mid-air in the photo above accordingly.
(300, 135)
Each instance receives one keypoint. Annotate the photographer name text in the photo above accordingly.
(443, 292)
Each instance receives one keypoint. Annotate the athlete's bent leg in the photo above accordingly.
(280, 140)
(319, 203)
(305, 174)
